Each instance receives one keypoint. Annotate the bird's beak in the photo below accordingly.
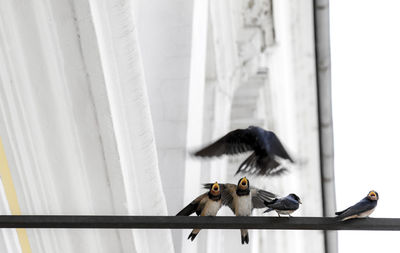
(243, 183)
(215, 188)
(300, 201)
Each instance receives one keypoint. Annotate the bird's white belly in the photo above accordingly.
(361, 215)
(366, 213)
(211, 208)
(243, 205)
(286, 212)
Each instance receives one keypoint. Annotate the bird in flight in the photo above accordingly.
(360, 210)
(264, 145)
(242, 199)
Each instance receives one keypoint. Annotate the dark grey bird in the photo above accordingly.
(207, 204)
(264, 144)
(360, 210)
(286, 205)
(242, 199)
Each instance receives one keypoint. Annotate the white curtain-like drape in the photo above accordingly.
(75, 122)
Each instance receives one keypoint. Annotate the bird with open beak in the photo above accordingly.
(207, 204)
(286, 205)
(242, 199)
(360, 210)
(265, 145)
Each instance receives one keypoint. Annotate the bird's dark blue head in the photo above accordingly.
(373, 195)
(295, 197)
(243, 187)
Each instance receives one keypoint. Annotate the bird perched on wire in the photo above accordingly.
(286, 205)
(264, 144)
(242, 199)
(360, 210)
(207, 204)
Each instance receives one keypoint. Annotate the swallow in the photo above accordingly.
(264, 144)
(242, 199)
(207, 204)
(286, 205)
(360, 210)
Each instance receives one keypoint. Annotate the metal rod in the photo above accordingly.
(180, 222)
(323, 69)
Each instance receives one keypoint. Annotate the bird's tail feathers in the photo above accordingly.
(267, 165)
(193, 234)
(267, 203)
(247, 165)
(261, 165)
(341, 212)
(341, 216)
(268, 210)
(245, 236)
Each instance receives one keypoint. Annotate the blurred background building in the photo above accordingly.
(102, 102)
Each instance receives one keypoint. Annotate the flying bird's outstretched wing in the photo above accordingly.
(235, 142)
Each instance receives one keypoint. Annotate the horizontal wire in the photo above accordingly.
(186, 222)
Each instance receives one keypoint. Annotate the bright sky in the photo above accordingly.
(365, 45)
